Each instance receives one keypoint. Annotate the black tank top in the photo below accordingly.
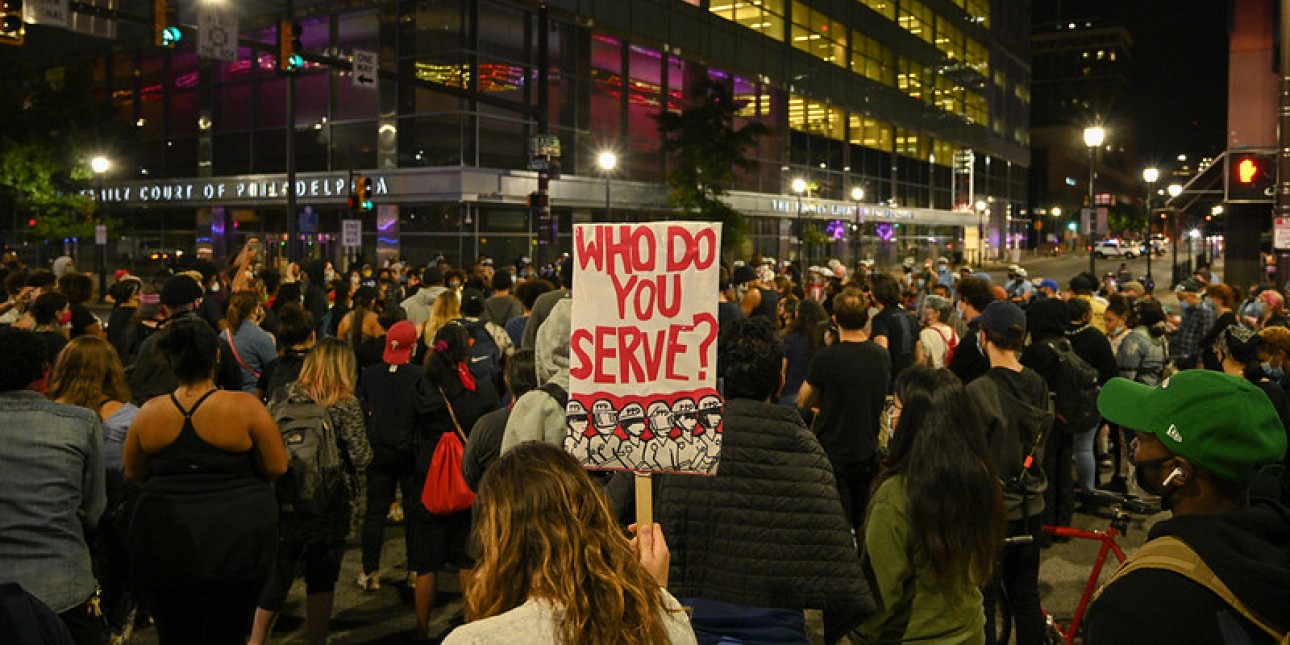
(189, 454)
(769, 302)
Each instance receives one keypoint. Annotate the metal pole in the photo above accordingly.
(1150, 250)
(102, 248)
(548, 226)
(801, 243)
(1283, 151)
(293, 225)
(1092, 215)
(607, 197)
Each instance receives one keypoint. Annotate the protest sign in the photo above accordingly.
(643, 352)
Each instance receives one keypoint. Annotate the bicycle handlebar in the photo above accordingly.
(1124, 501)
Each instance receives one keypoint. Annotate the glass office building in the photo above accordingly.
(923, 104)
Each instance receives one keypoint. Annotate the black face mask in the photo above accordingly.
(1147, 474)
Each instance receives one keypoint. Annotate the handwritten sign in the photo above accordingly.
(643, 354)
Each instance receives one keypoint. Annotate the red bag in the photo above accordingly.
(445, 491)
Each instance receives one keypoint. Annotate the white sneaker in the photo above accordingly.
(370, 581)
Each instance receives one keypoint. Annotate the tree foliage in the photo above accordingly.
(51, 129)
(708, 150)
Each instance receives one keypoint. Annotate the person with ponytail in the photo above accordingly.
(362, 321)
(252, 347)
(447, 398)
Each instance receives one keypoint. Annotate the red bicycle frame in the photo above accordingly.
(1109, 545)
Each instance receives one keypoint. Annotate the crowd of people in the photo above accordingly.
(883, 434)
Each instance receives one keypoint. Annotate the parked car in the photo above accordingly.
(1115, 249)
(1159, 244)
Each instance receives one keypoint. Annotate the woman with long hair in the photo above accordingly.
(554, 567)
(327, 380)
(446, 308)
(204, 525)
(805, 337)
(448, 398)
(361, 322)
(88, 374)
(936, 520)
(252, 347)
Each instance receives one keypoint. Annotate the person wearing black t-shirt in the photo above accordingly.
(296, 337)
(969, 361)
(848, 381)
(893, 327)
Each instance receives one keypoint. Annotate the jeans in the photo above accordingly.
(383, 475)
(854, 478)
(1016, 582)
(1086, 459)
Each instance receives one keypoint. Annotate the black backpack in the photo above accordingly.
(1074, 390)
(485, 356)
(315, 472)
(1016, 433)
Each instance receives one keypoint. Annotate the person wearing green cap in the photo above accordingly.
(1201, 438)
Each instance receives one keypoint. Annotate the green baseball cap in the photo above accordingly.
(1221, 423)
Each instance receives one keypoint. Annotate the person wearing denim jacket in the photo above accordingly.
(51, 484)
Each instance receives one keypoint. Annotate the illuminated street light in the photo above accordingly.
(1057, 211)
(1093, 139)
(1175, 190)
(799, 187)
(857, 196)
(100, 164)
(1149, 175)
(607, 161)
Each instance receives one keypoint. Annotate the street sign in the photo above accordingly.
(351, 233)
(366, 67)
(1281, 234)
(52, 13)
(100, 235)
(216, 33)
(544, 145)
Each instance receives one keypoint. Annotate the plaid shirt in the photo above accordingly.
(1196, 323)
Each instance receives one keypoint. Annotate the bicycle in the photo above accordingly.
(1121, 509)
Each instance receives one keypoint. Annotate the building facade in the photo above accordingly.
(888, 96)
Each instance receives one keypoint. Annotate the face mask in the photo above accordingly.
(329, 276)
(921, 283)
(1147, 474)
(65, 317)
(1274, 373)
(1186, 306)
(367, 273)
(355, 281)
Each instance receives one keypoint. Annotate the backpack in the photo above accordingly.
(1016, 433)
(315, 473)
(1074, 390)
(952, 343)
(1172, 554)
(485, 356)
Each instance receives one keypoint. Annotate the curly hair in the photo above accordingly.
(748, 359)
(545, 530)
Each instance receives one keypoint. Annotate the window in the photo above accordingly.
(814, 117)
(765, 16)
(872, 59)
(817, 34)
(870, 132)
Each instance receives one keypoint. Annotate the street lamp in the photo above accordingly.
(799, 187)
(1093, 138)
(607, 161)
(1174, 191)
(980, 231)
(100, 165)
(1150, 175)
(857, 196)
(1192, 236)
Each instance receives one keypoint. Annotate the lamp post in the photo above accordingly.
(607, 161)
(1150, 175)
(1174, 191)
(799, 187)
(100, 166)
(1192, 236)
(1093, 138)
(980, 231)
(857, 196)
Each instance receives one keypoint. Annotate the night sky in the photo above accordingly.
(1178, 93)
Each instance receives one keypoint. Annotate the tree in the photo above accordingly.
(38, 187)
(708, 149)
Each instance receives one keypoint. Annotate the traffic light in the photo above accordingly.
(165, 33)
(11, 28)
(289, 59)
(362, 198)
(1251, 177)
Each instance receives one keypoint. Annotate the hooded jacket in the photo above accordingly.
(417, 306)
(1249, 550)
(536, 415)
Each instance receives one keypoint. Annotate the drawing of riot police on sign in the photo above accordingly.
(578, 441)
(604, 419)
(710, 421)
(688, 433)
(664, 449)
(633, 450)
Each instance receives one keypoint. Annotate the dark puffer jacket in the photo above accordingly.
(768, 530)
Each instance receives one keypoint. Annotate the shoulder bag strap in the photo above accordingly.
(1172, 554)
(455, 425)
(233, 346)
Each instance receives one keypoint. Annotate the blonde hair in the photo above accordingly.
(329, 372)
(446, 308)
(88, 373)
(545, 530)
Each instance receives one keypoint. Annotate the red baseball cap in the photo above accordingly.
(400, 341)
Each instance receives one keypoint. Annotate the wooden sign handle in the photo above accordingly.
(644, 501)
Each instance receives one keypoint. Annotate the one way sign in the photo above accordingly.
(365, 68)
